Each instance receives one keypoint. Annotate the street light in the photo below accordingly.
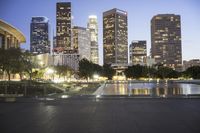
(50, 71)
(41, 63)
(96, 76)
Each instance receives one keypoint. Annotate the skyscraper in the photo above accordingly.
(39, 36)
(115, 39)
(166, 40)
(93, 28)
(81, 42)
(63, 25)
(138, 52)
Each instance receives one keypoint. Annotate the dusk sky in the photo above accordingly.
(19, 12)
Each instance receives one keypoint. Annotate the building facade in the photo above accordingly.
(138, 52)
(93, 28)
(166, 40)
(81, 42)
(39, 35)
(10, 37)
(70, 60)
(115, 37)
(63, 25)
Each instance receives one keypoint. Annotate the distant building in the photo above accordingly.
(70, 60)
(93, 28)
(54, 42)
(138, 52)
(10, 36)
(115, 39)
(39, 35)
(190, 63)
(63, 25)
(42, 60)
(150, 61)
(166, 40)
(56, 59)
(81, 42)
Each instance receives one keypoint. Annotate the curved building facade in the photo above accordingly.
(10, 36)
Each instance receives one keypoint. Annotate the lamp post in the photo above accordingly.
(96, 76)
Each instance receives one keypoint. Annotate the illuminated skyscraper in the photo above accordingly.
(39, 36)
(166, 40)
(81, 42)
(115, 39)
(138, 52)
(63, 25)
(93, 28)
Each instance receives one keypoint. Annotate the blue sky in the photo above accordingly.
(19, 12)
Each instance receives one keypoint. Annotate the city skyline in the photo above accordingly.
(17, 13)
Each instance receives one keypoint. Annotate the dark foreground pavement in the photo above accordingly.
(106, 115)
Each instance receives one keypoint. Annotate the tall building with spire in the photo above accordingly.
(166, 40)
(115, 38)
(63, 25)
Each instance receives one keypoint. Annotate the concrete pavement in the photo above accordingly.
(104, 115)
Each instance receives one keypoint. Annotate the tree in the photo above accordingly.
(10, 59)
(136, 71)
(85, 68)
(108, 71)
(65, 71)
(28, 64)
(2, 58)
(193, 72)
(166, 72)
(151, 72)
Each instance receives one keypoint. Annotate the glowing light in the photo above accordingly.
(64, 96)
(92, 16)
(50, 71)
(41, 63)
(59, 80)
(95, 76)
(98, 96)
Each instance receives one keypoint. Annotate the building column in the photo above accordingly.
(5, 40)
(12, 41)
(15, 44)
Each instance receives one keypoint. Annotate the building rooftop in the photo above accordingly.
(13, 31)
(114, 10)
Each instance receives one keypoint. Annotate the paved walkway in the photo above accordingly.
(104, 115)
(99, 91)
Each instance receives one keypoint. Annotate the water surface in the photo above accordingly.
(154, 89)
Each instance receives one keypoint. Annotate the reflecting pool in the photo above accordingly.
(153, 89)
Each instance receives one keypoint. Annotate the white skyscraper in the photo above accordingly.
(93, 28)
(81, 42)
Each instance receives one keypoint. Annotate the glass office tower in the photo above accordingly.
(39, 35)
(115, 39)
(166, 40)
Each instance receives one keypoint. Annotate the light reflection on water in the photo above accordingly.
(154, 89)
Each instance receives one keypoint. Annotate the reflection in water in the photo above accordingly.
(153, 89)
(138, 91)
